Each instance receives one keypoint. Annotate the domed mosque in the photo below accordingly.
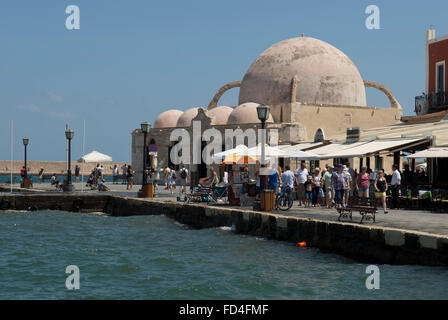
(306, 82)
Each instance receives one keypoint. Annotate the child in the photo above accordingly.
(308, 191)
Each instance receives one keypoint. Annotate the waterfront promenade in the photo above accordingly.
(401, 237)
(417, 220)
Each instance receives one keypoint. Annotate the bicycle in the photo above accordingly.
(283, 200)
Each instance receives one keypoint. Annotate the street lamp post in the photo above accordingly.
(263, 115)
(145, 126)
(25, 173)
(69, 134)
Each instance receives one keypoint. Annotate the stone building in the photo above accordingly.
(314, 92)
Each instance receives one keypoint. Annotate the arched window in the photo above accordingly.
(319, 136)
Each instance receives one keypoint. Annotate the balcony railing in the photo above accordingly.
(437, 99)
(433, 102)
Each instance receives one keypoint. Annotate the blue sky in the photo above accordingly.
(131, 60)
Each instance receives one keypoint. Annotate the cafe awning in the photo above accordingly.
(327, 151)
(431, 153)
(363, 149)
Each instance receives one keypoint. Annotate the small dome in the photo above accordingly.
(220, 114)
(186, 117)
(246, 113)
(326, 75)
(167, 119)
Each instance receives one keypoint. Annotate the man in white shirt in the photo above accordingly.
(395, 187)
(302, 175)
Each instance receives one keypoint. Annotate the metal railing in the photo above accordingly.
(433, 102)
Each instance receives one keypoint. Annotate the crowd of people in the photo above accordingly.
(334, 187)
(329, 187)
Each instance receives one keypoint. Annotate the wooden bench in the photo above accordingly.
(366, 207)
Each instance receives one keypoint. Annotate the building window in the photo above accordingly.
(314, 164)
(337, 161)
(440, 76)
(379, 163)
(319, 136)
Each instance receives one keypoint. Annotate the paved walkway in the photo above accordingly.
(404, 219)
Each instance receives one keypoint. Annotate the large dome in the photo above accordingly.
(186, 117)
(325, 75)
(167, 119)
(220, 114)
(246, 113)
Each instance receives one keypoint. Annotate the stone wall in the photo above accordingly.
(365, 243)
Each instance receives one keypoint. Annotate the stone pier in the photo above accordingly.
(364, 243)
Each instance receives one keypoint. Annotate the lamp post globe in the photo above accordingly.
(145, 126)
(263, 112)
(69, 134)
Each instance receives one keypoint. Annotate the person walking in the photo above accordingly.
(41, 174)
(381, 188)
(115, 174)
(352, 179)
(347, 189)
(316, 187)
(130, 178)
(171, 180)
(339, 184)
(395, 187)
(183, 173)
(166, 175)
(301, 174)
(156, 178)
(362, 183)
(273, 179)
(288, 179)
(124, 173)
(101, 171)
(77, 170)
(328, 190)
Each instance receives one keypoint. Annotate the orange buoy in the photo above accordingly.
(301, 244)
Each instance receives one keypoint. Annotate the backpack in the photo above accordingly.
(183, 173)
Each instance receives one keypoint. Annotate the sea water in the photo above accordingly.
(154, 257)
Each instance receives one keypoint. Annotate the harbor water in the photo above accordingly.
(154, 257)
